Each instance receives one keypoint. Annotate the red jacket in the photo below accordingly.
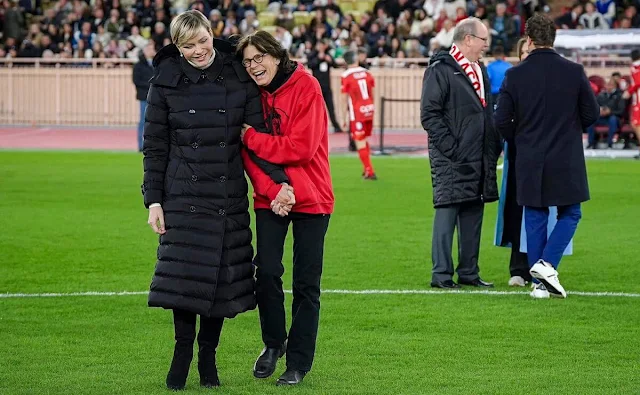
(300, 142)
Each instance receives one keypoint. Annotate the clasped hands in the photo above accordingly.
(284, 201)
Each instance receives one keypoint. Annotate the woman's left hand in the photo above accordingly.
(245, 127)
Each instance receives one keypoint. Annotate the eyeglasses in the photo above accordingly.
(481, 38)
(258, 59)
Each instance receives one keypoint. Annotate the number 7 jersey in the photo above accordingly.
(357, 83)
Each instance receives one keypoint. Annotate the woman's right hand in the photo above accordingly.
(286, 195)
(156, 220)
(284, 201)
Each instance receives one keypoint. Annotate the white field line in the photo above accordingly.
(340, 292)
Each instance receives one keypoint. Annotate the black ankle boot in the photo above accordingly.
(207, 367)
(185, 333)
(177, 376)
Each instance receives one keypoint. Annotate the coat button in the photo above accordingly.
(192, 111)
(222, 111)
(186, 80)
(194, 145)
(192, 209)
(223, 179)
(223, 144)
(194, 178)
(220, 79)
(221, 212)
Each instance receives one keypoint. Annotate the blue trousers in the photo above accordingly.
(551, 249)
(611, 121)
(143, 108)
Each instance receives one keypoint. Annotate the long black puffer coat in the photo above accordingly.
(464, 146)
(193, 167)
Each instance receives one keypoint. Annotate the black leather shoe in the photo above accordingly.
(448, 284)
(266, 363)
(291, 377)
(477, 283)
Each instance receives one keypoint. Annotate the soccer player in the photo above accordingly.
(357, 86)
(634, 94)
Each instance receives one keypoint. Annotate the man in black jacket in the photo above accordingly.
(320, 62)
(612, 108)
(544, 104)
(142, 73)
(457, 113)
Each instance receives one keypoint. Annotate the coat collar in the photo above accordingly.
(485, 78)
(212, 72)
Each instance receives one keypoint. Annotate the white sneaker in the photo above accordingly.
(539, 291)
(547, 275)
(517, 281)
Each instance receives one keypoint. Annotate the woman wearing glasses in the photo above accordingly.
(296, 118)
(196, 191)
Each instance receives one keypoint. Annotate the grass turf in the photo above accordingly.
(73, 222)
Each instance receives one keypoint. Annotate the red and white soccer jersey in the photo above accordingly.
(634, 90)
(358, 83)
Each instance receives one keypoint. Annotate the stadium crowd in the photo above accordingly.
(381, 29)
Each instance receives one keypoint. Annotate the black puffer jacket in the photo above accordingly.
(193, 167)
(463, 144)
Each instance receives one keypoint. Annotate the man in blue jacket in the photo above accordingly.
(544, 105)
(496, 70)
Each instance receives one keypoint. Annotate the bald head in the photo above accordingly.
(466, 27)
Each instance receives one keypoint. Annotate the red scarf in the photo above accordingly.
(472, 70)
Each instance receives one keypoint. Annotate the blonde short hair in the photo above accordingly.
(187, 25)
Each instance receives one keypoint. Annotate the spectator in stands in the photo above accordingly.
(13, 21)
(464, 149)
(571, 19)
(612, 109)
(217, 24)
(445, 35)
(198, 99)
(249, 24)
(631, 13)
(142, 73)
(550, 165)
(297, 119)
(496, 71)
(607, 8)
(503, 28)
(592, 19)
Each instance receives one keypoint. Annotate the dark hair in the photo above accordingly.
(350, 57)
(616, 74)
(541, 30)
(498, 51)
(266, 43)
(635, 54)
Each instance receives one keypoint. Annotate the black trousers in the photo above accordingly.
(518, 264)
(308, 251)
(185, 332)
(327, 94)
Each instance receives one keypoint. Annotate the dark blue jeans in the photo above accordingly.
(551, 249)
(612, 121)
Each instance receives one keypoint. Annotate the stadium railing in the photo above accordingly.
(100, 92)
